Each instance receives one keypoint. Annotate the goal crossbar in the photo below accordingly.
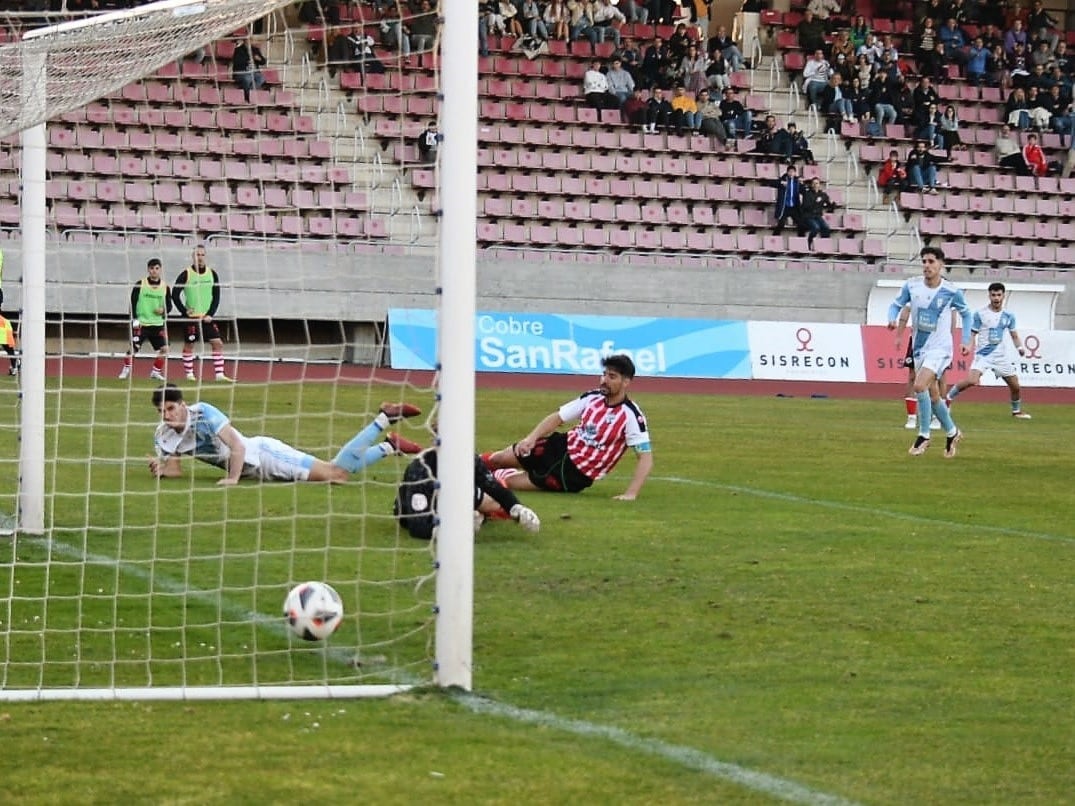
(62, 67)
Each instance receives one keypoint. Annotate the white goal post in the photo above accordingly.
(59, 69)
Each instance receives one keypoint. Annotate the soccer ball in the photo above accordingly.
(313, 610)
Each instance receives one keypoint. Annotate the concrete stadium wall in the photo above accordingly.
(359, 286)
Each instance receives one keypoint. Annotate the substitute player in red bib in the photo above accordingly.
(609, 423)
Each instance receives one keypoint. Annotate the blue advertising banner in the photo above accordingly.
(575, 345)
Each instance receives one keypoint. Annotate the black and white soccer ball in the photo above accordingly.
(313, 610)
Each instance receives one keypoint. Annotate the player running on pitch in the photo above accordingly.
(990, 324)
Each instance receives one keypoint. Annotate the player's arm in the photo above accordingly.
(549, 424)
(136, 293)
(1018, 342)
(898, 305)
(959, 303)
(167, 301)
(901, 325)
(165, 467)
(237, 456)
(642, 471)
(214, 303)
(178, 290)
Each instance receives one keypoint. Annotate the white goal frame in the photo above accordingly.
(456, 275)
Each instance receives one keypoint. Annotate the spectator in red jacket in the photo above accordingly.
(891, 177)
(1036, 163)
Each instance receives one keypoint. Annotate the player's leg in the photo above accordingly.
(158, 339)
(520, 481)
(211, 333)
(13, 359)
(128, 358)
(974, 377)
(923, 388)
(910, 402)
(188, 351)
(504, 458)
(360, 451)
(1016, 394)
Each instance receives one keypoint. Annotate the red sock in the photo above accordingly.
(912, 406)
(159, 364)
(487, 457)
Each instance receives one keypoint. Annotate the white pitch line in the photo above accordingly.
(864, 510)
(686, 757)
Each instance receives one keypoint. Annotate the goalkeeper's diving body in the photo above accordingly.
(415, 504)
(203, 431)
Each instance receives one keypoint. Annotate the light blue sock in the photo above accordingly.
(953, 393)
(1017, 405)
(357, 453)
(925, 413)
(940, 408)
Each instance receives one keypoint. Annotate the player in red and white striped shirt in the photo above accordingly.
(609, 423)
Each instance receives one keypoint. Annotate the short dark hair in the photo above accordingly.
(932, 250)
(154, 261)
(997, 287)
(169, 393)
(620, 363)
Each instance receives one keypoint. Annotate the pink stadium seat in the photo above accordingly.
(677, 214)
(595, 237)
(621, 239)
(209, 222)
(567, 235)
(1021, 253)
(653, 212)
(105, 164)
(647, 239)
(548, 185)
(604, 211)
(748, 243)
(109, 191)
(293, 226)
(577, 210)
(1043, 254)
(628, 212)
(728, 217)
(672, 189)
(673, 240)
(702, 215)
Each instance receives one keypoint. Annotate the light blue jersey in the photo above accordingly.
(266, 458)
(991, 326)
(931, 315)
(200, 439)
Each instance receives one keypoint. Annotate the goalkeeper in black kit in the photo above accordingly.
(415, 504)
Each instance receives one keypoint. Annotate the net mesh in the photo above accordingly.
(305, 215)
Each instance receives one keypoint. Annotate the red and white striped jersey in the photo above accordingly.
(603, 433)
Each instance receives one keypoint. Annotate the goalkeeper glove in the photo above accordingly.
(526, 517)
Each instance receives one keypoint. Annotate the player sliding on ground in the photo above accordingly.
(415, 504)
(203, 431)
(609, 424)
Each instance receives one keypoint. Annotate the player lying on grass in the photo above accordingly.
(203, 431)
(415, 503)
(609, 424)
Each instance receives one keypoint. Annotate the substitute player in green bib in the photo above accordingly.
(150, 303)
(196, 294)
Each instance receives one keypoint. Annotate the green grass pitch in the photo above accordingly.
(794, 611)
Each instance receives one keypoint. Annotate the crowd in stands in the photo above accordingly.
(887, 85)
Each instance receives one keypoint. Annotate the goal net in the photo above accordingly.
(128, 139)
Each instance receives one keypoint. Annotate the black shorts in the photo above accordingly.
(908, 359)
(156, 335)
(549, 467)
(208, 331)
